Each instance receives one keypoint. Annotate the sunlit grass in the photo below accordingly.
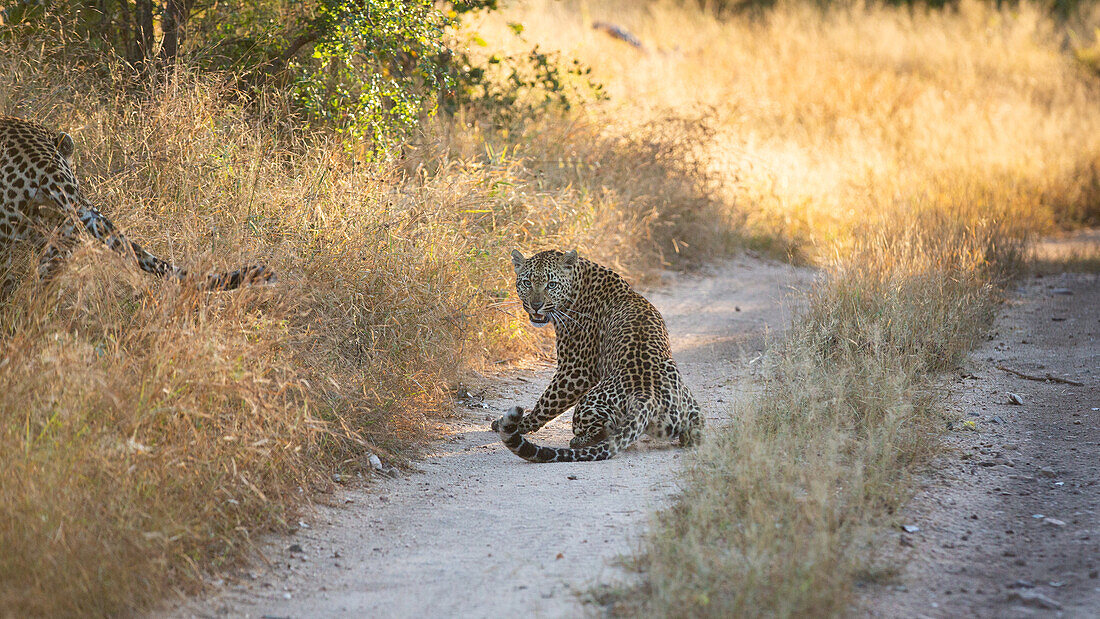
(826, 122)
(149, 432)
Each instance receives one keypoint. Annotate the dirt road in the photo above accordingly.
(479, 532)
(1009, 522)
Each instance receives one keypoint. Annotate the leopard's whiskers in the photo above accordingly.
(556, 313)
(573, 312)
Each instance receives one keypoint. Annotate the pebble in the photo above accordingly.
(375, 462)
(1054, 521)
(910, 528)
(295, 548)
(1063, 291)
(1015, 398)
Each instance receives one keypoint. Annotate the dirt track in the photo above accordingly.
(479, 532)
(1009, 518)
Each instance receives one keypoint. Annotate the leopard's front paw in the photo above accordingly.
(512, 417)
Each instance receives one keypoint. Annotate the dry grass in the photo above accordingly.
(825, 123)
(781, 506)
(148, 432)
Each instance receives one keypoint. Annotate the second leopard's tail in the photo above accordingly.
(639, 412)
(96, 224)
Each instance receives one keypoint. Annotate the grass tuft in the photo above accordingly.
(780, 507)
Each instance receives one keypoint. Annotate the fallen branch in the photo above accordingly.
(1048, 378)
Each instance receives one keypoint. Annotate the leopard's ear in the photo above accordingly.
(518, 260)
(570, 258)
(64, 145)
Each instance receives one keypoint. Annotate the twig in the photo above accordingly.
(1049, 377)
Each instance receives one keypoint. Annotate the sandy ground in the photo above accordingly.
(1009, 519)
(479, 532)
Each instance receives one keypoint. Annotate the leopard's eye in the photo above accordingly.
(551, 285)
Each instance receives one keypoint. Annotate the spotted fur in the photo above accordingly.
(41, 205)
(614, 363)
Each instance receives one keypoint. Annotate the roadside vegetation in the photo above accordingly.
(147, 433)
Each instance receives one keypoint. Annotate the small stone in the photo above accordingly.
(571, 477)
(1062, 291)
(910, 528)
(1015, 398)
(287, 596)
(1034, 599)
(295, 548)
(1054, 522)
(1022, 584)
(1046, 471)
(375, 462)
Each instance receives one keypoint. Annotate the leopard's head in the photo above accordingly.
(544, 283)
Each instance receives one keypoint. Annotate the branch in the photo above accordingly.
(1048, 378)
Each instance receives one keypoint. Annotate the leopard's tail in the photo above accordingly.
(638, 411)
(102, 229)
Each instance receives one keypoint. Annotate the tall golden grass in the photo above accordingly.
(148, 432)
(828, 121)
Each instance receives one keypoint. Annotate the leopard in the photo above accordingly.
(43, 207)
(614, 363)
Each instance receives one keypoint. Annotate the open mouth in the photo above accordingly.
(539, 319)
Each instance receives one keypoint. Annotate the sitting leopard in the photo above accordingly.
(41, 204)
(614, 363)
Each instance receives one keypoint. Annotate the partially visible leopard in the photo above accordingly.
(41, 204)
(614, 363)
